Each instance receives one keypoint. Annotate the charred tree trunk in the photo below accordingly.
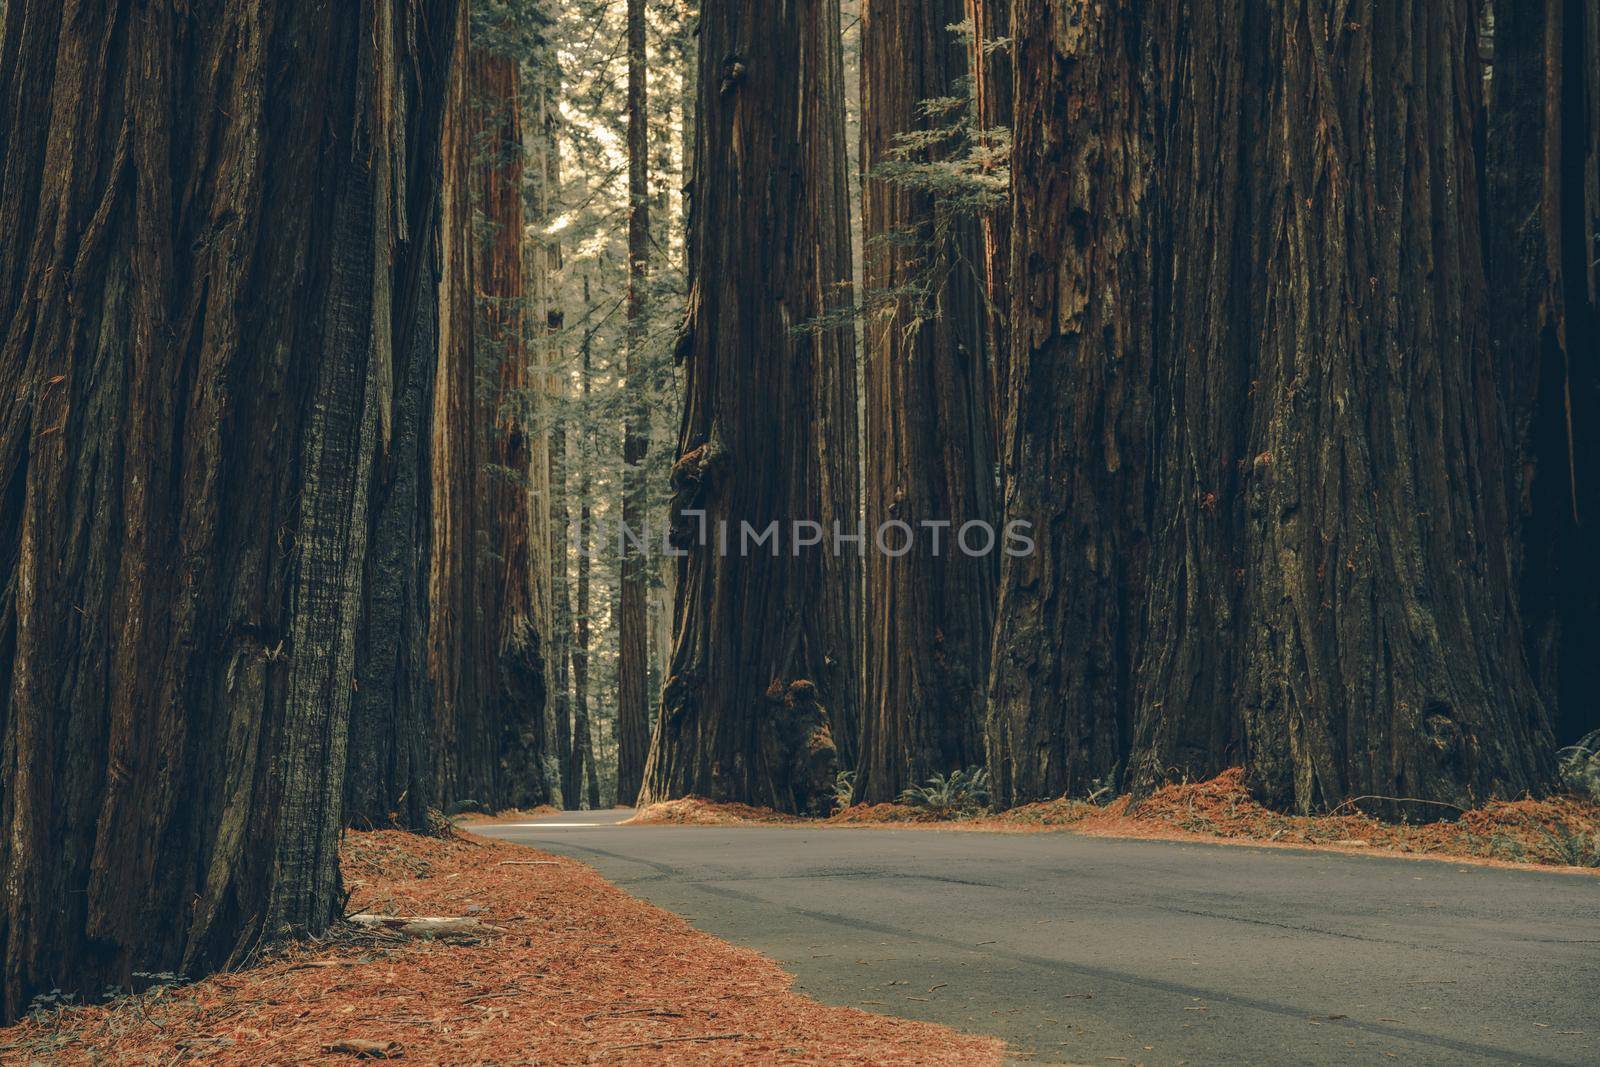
(766, 658)
(1544, 215)
(213, 259)
(930, 612)
(488, 663)
(1077, 411)
(633, 715)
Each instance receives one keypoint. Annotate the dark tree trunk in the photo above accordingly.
(928, 444)
(1372, 640)
(209, 275)
(1077, 411)
(633, 715)
(1283, 369)
(1544, 214)
(488, 663)
(389, 779)
(766, 657)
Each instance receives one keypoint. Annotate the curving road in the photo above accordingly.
(1089, 950)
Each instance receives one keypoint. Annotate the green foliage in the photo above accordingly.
(844, 788)
(959, 793)
(1580, 767)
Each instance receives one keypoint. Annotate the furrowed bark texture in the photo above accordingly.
(766, 660)
(633, 714)
(389, 777)
(1298, 396)
(486, 652)
(204, 273)
(1077, 420)
(928, 444)
(1544, 201)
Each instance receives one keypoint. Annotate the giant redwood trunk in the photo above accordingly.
(765, 662)
(210, 265)
(1544, 217)
(633, 666)
(1076, 428)
(928, 445)
(488, 667)
(1276, 502)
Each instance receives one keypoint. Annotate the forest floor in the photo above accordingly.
(1560, 831)
(554, 965)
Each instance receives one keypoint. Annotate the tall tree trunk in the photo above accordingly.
(542, 186)
(212, 260)
(389, 778)
(1544, 214)
(1332, 482)
(491, 684)
(633, 716)
(1077, 411)
(766, 657)
(928, 442)
(582, 733)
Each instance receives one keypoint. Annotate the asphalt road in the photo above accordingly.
(1087, 950)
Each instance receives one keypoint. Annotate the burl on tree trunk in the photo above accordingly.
(209, 270)
(767, 651)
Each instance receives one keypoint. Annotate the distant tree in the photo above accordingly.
(489, 670)
(928, 442)
(633, 717)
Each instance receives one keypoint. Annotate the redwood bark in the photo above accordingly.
(206, 270)
(486, 651)
(765, 669)
(633, 715)
(928, 444)
(1373, 643)
(1077, 414)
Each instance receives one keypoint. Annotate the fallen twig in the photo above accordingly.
(677, 1040)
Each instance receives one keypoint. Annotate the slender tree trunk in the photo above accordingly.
(928, 442)
(1544, 200)
(767, 657)
(991, 88)
(583, 735)
(633, 717)
(1077, 414)
(209, 271)
(542, 185)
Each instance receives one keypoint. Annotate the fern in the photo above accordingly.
(959, 793)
